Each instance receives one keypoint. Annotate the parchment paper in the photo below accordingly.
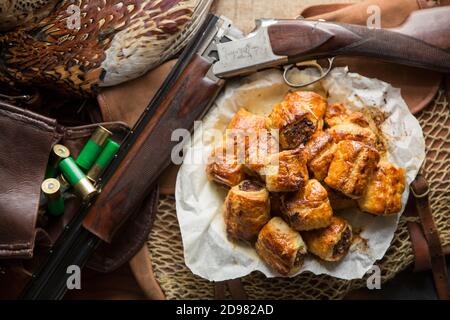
(208, 252)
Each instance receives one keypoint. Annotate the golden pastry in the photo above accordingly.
(308, 208)
(224, 169)
(320, 151)
(281, 247)
(243, 130)
(337, 114)
(297, 117)
(246, 210)
(351, 131)
(247, 121)
(258, 150)
(353, 164)
(286, 171)
(331, 243)
(383, 194)
(251, 139)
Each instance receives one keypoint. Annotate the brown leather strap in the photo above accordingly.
(447, 86)
(235, 288)
(420, 190)
(419, 243)
(142, 269)
(422, 260)
(220, 289)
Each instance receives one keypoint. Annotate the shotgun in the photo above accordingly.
(219, 51)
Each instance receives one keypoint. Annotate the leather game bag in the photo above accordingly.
(26, 234)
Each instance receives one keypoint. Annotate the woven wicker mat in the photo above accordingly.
(178, 282)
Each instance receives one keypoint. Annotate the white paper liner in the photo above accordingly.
(208, 252)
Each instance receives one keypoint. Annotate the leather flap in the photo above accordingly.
(25, 143)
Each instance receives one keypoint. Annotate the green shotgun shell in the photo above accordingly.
(103, 160)
(76, 177)
(55, 201)
(93, 148)
(59, 152)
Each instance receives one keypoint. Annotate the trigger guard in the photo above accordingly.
(323, 73)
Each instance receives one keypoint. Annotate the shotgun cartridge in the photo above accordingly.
(76, 177)
(93, 148)
(55, 201)
(59, 152)
(103, 160)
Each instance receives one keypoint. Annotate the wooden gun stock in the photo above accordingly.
(301, 40)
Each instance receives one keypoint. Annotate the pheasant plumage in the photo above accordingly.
(83, 44)
(18, 12)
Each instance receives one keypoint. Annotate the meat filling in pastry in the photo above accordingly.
(246, 210)
(353, 164)
(309, 208)
(319, 152)
(297, 118)
(331, 243)
(281, 247)
(383, 194)
(286, 171)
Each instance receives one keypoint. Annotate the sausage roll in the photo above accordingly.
(351, 131)
(297, 118)
(247, 121)
(308, 208)
(338, 114)
(259, 147)
(250, 137)
(246, 210)
(383, 194)
(320, 151)
(286, 171)
(224, 169)
(331, 243)
(353, 164)
(339, 201)
(280, 247)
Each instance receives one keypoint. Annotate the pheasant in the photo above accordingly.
(80, 45)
